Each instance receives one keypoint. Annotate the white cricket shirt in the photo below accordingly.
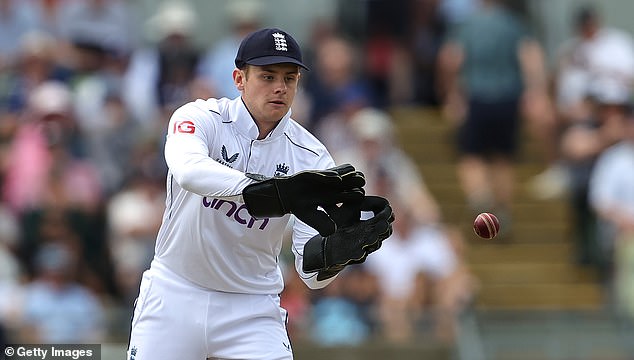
(207, 235)
(612, 180)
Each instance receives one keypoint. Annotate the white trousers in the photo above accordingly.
(177, 320)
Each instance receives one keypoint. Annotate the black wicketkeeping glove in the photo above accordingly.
(351, 244)
(303, 193)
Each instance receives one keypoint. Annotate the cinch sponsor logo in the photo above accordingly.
(239, 214)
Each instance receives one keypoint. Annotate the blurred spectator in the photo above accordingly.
(11, 271)
(217, 64)
(582, 143)
(595, 53)
(428, 31)
(110, 23)
(456, 11)
(163, 76)
(386, 60)
(10, 268)
(112, 142)
(56, 308)
(336, 319)
(15, 21)
(49, 17)
(487, 82)
(611, 197)
(134, 216)
(36, 64)
(46, 123)
(321, 29)
(335, 86)
(108, 130)
(46, 152)
(335, 130)
(389, 171)
(362, 290)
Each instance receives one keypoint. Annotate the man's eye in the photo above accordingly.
(267, 77)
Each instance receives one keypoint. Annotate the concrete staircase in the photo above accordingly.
(534, 269)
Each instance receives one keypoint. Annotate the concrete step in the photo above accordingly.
(493, 252)
(550, 296)
(450, 191)
(416, 115)
(430, 153)
(445, 172)
(428, 130)
(533, 273)
(431, 139)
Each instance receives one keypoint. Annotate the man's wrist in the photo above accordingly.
(262, 199)
(314, 258)
(326, 274)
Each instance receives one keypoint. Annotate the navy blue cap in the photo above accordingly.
(269, 46)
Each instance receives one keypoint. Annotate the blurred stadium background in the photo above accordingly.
(86, 88)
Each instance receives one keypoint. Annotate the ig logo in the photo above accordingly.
(185, 127)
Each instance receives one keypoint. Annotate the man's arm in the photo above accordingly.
(450, 61)
(301, 234)
(186, 154)
(537, 106)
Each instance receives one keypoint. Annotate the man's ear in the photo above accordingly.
(239, 77)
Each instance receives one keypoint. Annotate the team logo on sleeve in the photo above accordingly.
(226, 159)
(185, 127)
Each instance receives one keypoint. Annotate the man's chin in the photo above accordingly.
(278, 112)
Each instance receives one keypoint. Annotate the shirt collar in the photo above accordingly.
(244, 122)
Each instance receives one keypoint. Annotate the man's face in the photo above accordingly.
(268, 91)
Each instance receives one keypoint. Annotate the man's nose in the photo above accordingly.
(280, 86)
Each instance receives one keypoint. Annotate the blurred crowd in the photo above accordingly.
(87, 87)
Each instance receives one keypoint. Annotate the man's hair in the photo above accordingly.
(245, 68)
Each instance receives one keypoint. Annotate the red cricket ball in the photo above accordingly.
(486, 225)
